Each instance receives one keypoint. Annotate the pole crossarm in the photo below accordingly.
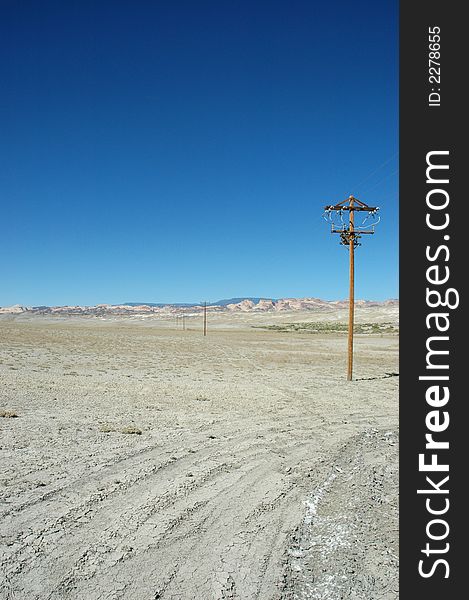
(351, 232)
(351, 203)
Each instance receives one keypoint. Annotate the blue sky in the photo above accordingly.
(178, 151)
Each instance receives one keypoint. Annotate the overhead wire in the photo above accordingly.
(374, 171)
(375, 185)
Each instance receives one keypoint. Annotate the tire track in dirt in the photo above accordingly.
(346, 546)
(225, 550)
(219, 534)
(95, 519)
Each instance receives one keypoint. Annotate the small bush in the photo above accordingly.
(106, 428)
(131, 430)
(8, 414)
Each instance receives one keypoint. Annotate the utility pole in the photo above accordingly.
(349, 236)
(184, 322)
(205, 317)
(351, 305)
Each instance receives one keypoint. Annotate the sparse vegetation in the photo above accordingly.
(130, 429)
(8, 414)
(328, 327)
(106, 428)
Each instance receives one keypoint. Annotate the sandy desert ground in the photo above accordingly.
(147, 462)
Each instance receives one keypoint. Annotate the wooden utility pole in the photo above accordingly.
(349, 236)
(351, 306)
(205, 318)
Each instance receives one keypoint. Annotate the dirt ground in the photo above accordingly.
(148, 462)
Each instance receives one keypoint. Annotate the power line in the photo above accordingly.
(376, 170)
(374, 186)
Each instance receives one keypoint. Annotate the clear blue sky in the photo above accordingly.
(177, 150)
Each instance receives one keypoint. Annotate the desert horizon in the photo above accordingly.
(245, 304)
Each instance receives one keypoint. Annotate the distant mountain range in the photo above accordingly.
(231, 305)
(224, 302)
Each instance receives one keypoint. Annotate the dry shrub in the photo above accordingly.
(106, 428)
(131, 430)
(8, 414)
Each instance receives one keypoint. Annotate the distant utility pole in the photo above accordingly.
(350, 233)
(205, 317)
(184, 322)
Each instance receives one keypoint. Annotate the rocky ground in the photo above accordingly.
(149, 462)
